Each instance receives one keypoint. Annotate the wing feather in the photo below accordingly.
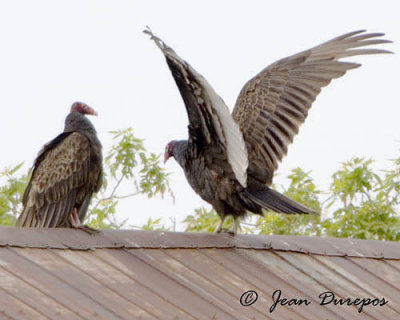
(209, 117)
(60, 172)
(49, 214)
(274, 104)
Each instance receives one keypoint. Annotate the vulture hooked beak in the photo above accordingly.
(91, 111)
(167, 153)
(166, 156)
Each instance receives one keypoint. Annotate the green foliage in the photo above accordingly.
(360, 204)
(122, 157)
(205, 221)
(368, 204)
(12, 186)
(153, 225)
(127, 162)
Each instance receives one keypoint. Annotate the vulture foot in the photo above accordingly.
(227, 231)
(76, 223)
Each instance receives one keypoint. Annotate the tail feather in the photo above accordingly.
(272, 200)
(26, 218)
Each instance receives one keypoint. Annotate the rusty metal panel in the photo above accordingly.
(187, 267)
(383, 270)
(174, 292)
(18, 280)
(147, 298)
(264, 281)
(5, 316)
(11, 304)
(54, 288)
(77, 274)
(366, 281)
(114, 279)
(344, 285)
(68, 274)
(394, 264)
(285, 272)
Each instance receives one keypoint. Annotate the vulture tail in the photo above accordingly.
(272, 200)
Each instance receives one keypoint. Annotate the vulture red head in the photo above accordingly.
(176, 149)
(83, 108)
(169, 150)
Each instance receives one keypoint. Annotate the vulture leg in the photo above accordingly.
(235, 227)
(218, 229)
(232, 231)
(76, 223)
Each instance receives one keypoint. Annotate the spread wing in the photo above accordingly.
(209, 119)
(272, 105)
(63, 177)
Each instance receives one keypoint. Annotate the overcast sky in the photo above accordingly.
(56, 52)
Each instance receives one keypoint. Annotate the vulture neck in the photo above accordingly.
(180, 151)
(76, 121)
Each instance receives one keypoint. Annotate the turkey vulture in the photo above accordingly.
(229, 160)
(65, 174)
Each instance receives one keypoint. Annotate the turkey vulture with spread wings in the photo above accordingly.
(65, 174)
(229, 160)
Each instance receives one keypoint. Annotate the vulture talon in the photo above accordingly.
(89, 230)
(227, 231)
(77, 224)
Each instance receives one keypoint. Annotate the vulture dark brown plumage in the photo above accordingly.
(66, 172)
(229, 160)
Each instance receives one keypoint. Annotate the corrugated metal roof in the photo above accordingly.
(68, 274)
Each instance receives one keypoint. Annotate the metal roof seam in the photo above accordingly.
(255, 286)
(304, 294)
(306, 274)
(179, 282)
(96, 280)
(69, 285)
(143, 285)
(194, 271)
(22, 301)
(38, 289)
(77, 240)
(214, 283)
(5, 316)
(374, 274)
(388, 262)
(338, 286)
(349, 280)
(99, 255)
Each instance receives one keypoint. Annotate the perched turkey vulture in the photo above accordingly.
(65, 174)
(229, 160)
